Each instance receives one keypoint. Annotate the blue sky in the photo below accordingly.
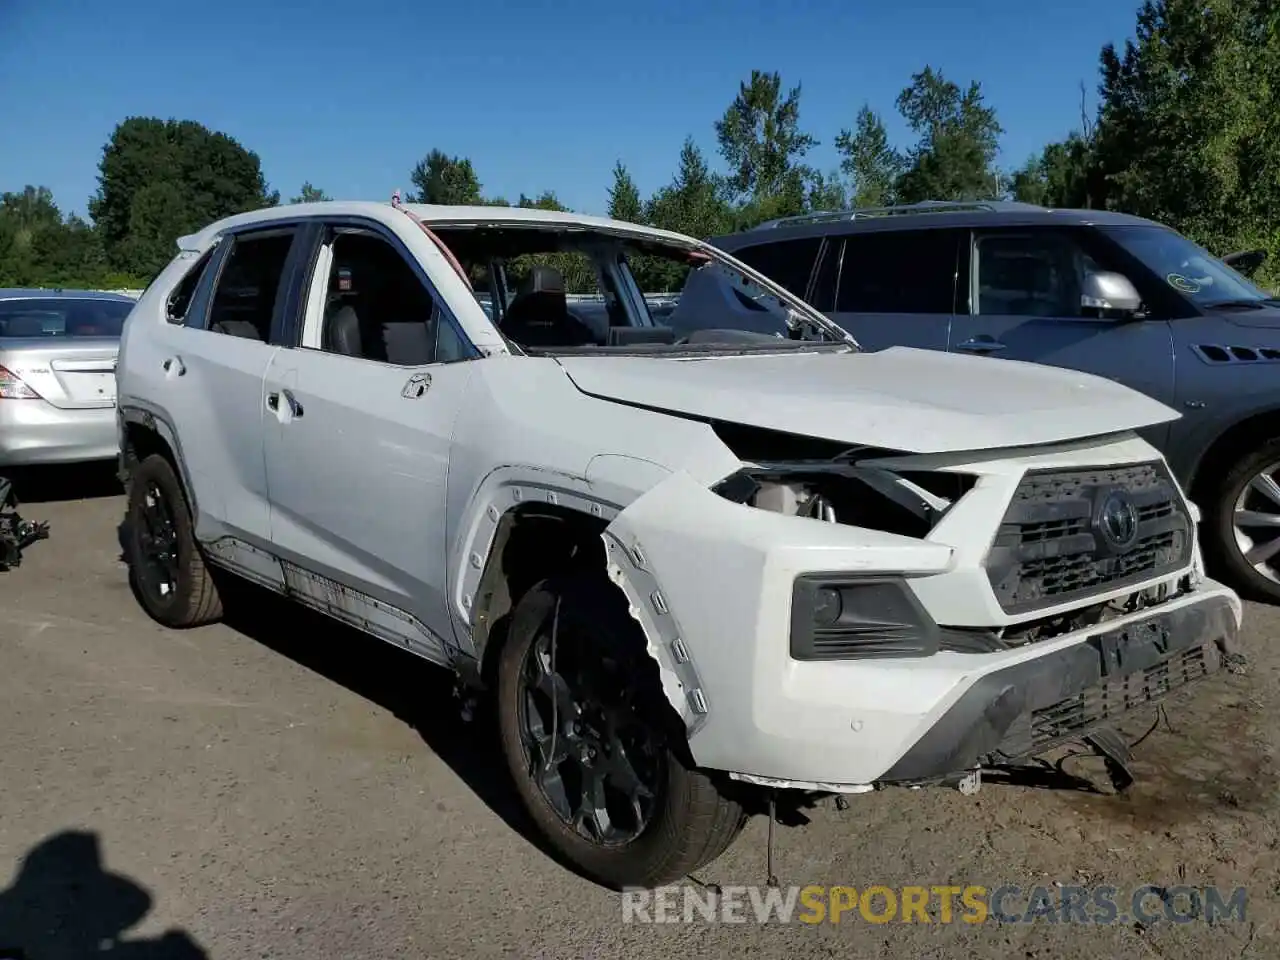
(349, 94)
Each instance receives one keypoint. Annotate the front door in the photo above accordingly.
(1025, 304)
(360, 418)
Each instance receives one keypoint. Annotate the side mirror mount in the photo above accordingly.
(1104, 290)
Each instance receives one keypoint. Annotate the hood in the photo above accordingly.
(1267, 318)
(915, 401)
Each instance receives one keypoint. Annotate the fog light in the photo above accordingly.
(827, 607)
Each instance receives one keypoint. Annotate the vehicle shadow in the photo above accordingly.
(418, 693)
(53, 484)
(65, 906)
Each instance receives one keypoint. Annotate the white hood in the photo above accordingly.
(915, 401)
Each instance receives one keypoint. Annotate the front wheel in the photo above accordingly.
(593, 747)
(1243, 524)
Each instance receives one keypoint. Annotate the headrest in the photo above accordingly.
(543, 279)
(341, 333)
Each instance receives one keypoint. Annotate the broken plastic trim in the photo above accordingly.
(16, 534)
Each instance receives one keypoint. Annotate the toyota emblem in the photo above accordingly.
(1118, 520)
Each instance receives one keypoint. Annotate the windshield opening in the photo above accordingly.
(556, 288)
(1186, 267)
(64, 317)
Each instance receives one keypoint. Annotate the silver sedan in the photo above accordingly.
(57, 375)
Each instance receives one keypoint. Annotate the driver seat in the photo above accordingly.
(539, 314)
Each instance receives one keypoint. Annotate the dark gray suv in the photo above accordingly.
(1101, 292)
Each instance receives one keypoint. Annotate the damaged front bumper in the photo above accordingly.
(1027, 708)
(711, 582)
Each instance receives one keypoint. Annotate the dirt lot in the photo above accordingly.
(280, 787)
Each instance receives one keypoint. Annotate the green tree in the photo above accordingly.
(868, 160)
(547, 200)
(39, 248)
(203, 175)
(959, 136)
(310, 194)
(826, 192)
(692, 202)
(1187, 131)
(443, 179)
(761, 141)
(624, 198)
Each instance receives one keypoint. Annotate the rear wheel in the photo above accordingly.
(595, 751)
(1243, 545)
(165, 565)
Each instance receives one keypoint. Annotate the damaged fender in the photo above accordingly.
(710, 582)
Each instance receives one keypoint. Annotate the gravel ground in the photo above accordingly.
(282, 787)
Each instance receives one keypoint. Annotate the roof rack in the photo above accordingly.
(905, 209)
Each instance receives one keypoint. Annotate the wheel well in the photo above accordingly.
(1232, 444)
(140, 442)
(532, 542)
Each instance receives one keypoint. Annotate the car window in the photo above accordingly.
(906, 272)
(63, 317)
(244, 299)
(1187, 268)
(180, 299)
(787, 262)
(1034, 274)
(376, 307)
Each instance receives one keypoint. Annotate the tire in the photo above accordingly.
(185, 595)
(1223, 555)
(688, 820)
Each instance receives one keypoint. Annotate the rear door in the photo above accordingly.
(64, 348)
(1025, 305)
(206, 371)
(892, 288)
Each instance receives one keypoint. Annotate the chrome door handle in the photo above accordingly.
(981, 345)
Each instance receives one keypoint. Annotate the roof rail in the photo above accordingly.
(905, 209)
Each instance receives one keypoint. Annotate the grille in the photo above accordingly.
(1107, 701)
(1051, 547)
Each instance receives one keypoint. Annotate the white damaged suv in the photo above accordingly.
(694, 573)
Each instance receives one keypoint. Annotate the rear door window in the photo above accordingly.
(899, 272)
(788, 263)
(250, 283)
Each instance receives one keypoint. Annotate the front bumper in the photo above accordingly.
(1022, 710)
(710, 582)
(36, 432)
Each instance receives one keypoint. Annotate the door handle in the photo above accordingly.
(173, 367)
(292, 409)
(416, 386)
(981, 345)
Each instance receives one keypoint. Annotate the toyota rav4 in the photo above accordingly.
(693, 576)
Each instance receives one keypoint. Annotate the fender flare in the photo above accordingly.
(507, 489)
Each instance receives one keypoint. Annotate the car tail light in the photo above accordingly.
(12, 387)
